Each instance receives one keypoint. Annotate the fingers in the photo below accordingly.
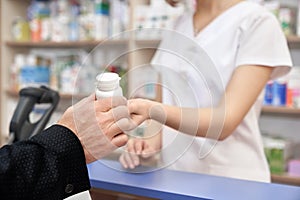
(135, 146)
(141, 148)
(119, 140)
(122, 122)
(119, 112)
(93, 122)
(123, 125)
(129, 160)
(136, 149)
(113, 116)
(136, 106)
(106, 104)
(137, 119)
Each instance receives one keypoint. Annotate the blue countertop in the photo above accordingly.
(169, 184)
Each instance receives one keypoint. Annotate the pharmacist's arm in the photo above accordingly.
(218, 122)
(52, 164)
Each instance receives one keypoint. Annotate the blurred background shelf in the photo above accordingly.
(285, 179)
(147, 42)
(293, 39)
(78, 44)
(280, 110)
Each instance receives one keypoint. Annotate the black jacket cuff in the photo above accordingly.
(72, 169)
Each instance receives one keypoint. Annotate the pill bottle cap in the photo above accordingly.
(107, 81)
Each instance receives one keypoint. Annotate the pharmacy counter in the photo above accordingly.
(168, 184)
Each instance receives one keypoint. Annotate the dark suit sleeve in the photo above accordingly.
(50, 165)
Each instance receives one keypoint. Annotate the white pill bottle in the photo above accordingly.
(108, 85)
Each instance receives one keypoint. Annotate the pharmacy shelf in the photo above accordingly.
(280, 110)
(147, 41)
(285, 179)
(77, 44)
(293, 41)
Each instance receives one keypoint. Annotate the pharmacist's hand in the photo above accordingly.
(139, 110)
(99, 125)
(136, 151)
(144, 109)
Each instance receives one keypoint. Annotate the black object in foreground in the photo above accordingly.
(20, 126)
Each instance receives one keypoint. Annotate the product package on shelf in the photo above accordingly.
(284, 91)
(149, 19)
(145, 82)
(20, 29)
(276, 92)
(71, 20)
(294, 86)
(286, 14)
(298, 19)
(279, 152)
(30, 70)
(66, 70)
(294, 168)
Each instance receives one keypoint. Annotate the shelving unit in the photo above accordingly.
(78, 44)
(293, 42)
(285, 179)
(280, 110)
(11, 8)
(290, 113)
(293, 39)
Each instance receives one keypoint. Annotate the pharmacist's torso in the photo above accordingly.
(201, 85)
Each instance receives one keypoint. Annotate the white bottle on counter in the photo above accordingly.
(108, 85)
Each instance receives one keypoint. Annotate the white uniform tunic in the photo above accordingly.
(245, 34)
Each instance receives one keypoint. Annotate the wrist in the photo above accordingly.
(67, 121)
(157, 112)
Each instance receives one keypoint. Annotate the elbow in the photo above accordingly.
(227, 130)
(223, 136)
